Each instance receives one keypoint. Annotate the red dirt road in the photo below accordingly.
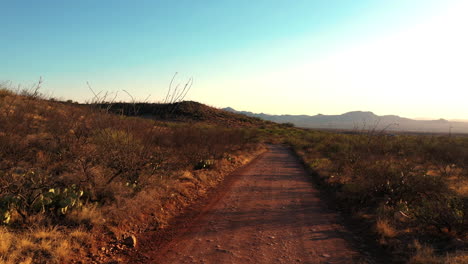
(271, 213)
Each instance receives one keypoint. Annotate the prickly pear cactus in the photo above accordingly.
(34, 196)
(60, 200)
(204, 164)
(7, 205)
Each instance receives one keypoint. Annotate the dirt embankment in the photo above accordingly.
(268, 212)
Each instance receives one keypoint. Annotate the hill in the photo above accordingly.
(186, 111)
(358, 120)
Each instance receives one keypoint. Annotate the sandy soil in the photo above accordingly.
(269, 213)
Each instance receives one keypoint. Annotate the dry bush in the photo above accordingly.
(456, 258)
(88, 215)
(82, 168)
(385, 229)
(408, 186)
(425, 254)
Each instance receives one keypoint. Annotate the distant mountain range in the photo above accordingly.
(359, 120)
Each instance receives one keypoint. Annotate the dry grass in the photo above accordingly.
(385, 229)
(425, 255)
(457, 258)
(409, 186)
(460, 186)
(6, 239)
(88, 215)
(83, 170)
(41, 245)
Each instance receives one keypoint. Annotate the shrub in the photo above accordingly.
(401, 183)
(67, 165)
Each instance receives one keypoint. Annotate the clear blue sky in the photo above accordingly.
(405, 57)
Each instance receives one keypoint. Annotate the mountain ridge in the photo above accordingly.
(363, 120)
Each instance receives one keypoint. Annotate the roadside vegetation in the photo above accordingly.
(411, 191)
(77, 182)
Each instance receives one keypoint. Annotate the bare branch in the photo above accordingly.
(170, 87)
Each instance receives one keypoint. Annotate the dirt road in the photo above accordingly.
(271, 213)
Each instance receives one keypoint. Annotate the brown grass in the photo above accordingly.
(385, 229)
(41, 245)
(460, 186)
(70, 170)
(88, 215)
(408, 187)
(425, 255)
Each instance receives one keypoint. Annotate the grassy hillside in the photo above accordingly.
(77, 181)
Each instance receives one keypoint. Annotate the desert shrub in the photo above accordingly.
(88, 215)
(121, 152)
(425, 254)
(288, 124)
(446, 153)
(443, 212)
(401, 183)
(198, 146)
(67, 165)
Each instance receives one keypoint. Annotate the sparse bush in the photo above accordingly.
(67, 165)
(403, 182)
(425, 254)
(287, 125)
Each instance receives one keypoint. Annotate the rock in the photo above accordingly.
(130, 241)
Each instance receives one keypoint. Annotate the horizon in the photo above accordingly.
(353, 111)
(405, 58)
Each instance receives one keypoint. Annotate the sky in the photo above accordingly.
(403, 57)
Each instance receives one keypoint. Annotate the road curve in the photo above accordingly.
(270, 214)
